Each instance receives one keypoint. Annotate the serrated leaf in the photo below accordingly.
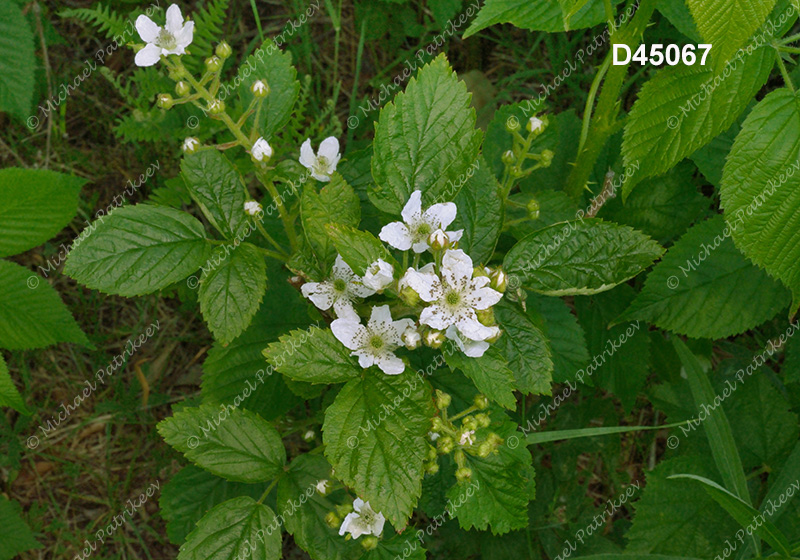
(580, 257)
(359, 249)
(710, 159)
(682, 109)
(17, 62)
(425, 140)
(336, 203)
(690, 291)
(313, 356)
(238, 528)
(498, 493)
(759, 191)
(267, 63)
(35, 204)
(490, 373)
(9, 395)
(375, 438)
(398, 546)
(564, 334)
(14, 532)
(480, 213)
(138, 250)
(526, 348)
(535, 15)
(231, 293)
(191, 493)
(727, 24)
(235, 444)
(306, 523)
(217, 188)
(33, 317)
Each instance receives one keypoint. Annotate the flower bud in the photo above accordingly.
(409, 296)
(442, 400)
(464, 474)
(536, 125)
(190, 145)
(517, 172)
(485, 317)
(482, 418)
(260, 88)
(445, 445)
(546, 158)
(182, 89)
(509, 158)
(432, 453)
(261, 151)
(482, 403)
(224, 50)
(495, 337)
(438, 240)
(164, 100)
(216, 107)
(213, 64)
(411, 338)
(343, 509)
(460, 458)
(370, 542)
(434, 339)
(485, 449)
(323, 487)
(332, 520)
(253, 208)
(309, 435)
(533, 209)
(498, 280)
(432, 468)
(437, 425)
(494, 440)
(469, 423)
(479, 271)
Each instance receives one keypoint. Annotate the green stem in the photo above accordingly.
(464, 412)
(267, 491)
(288, 222)
(603, 122)
(587, 113)
(787, 80)
(272, 241)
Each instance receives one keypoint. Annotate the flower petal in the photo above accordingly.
(456, 267)
(174, 20)
(484, 298)
(358, 503)
(454, 235)
(186, 35)
(427, 286)
(397, 235)
(471, 328)
(341, 269)
(365, 360)
(377, 526)
(307, 157)
(329, 148)
(421, 246)
(436, 317)
(321, 294)
(349, 331)
(148, 55)
(380, 318)
(147, 28)
(412, 211)
(344, 308)
(390, 365)
(440, 215)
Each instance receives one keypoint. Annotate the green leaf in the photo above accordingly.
(231, 293)
(375, 438)
(14, 532)
(690, 291)
(304, 510)
(238, 528)
(480, 213)
(226, 441)
(191, 493)
(535, 15)
(17, 63)
(710, 159)
(336, 203)
(490, 373)
(580, 257)
(728, 24)
(217, 188)
(404, 546)
(138, 250)
(718, 430)
(536, 438)
(743, 513)
(678, 14)
(9, 395)
(313, 356)
(33, 317)
(359, 249)
(35, 204)
(498, 493)
(661, 130)
(271, 64)
(425, 140)
(760, 188)
(526, 348)
(564, 334)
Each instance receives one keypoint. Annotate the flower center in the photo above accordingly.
(367, 517)
(452, 298)
(321, 165)
(166, 40)
(376, 342)
(339, 285)
(423, 230)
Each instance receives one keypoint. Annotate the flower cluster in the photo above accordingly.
(451, 298)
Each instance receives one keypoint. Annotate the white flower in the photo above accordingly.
(173, 38)
(374, 344)
(472, 348)
(363, 521)
(190, 145)
(322, 486)
(433, 435)
(455, 297)
(259, 88)
(419, 225)
(261, 150)
(379, 275)
(252, 207)
(323, 164)
(338, 291)
(466, 437)
(411, 338)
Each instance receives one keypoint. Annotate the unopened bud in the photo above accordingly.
(224, 50)
(261, 151)
(216, 107)
(498, 280)
(409, 296)
(182, 89)
(482, 403)
(165, 101)
(469, 423)
(432, 468)
(464, 474)
(438, 240)
(445, 444)
(485, 449)
(533, 209)
(485, 317)
(370, 542)
(432, 453)
(309, 435)
(536, 125)
(479, 271)
(517, 172)
(411, 338)
(496, 336)
(434, 339)
(437, 425)
(332, 520)
(483, 419)
(546, 158)
(213, 64)
(442, 400)
(509, 158)
(190, 145)
(260, 88)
